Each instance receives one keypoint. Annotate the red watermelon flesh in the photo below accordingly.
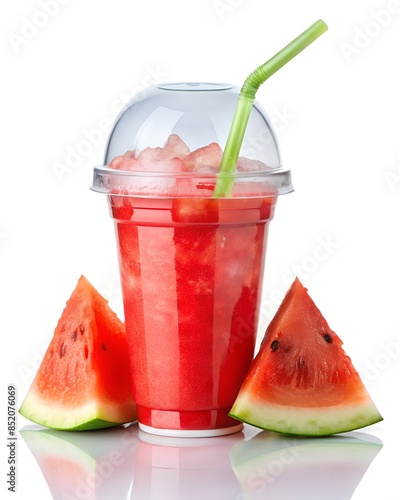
(302, 382)
(84, 379)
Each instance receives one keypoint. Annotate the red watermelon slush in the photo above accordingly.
(191, 273)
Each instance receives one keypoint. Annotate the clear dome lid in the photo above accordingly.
(181, 129)
(199, 113)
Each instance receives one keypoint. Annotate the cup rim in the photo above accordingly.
(276, 181)
(195, 86)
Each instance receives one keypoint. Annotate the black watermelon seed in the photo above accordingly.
(82, 329)
(103, 346)
(74, 335)
(328, 338)
(274, 345)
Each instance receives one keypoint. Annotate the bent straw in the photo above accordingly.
(225, 178)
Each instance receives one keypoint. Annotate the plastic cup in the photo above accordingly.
(192, 238)
(191, 271)
(191, 264)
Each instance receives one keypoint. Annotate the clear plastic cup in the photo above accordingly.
(191, 263)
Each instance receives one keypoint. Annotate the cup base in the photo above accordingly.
(191, 433)
(190, 423)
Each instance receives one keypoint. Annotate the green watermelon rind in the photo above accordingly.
(95, 424)
(95, 414)
(305, 421)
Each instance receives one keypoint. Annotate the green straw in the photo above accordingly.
(244, 106)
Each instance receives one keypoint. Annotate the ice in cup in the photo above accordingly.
(191, 263)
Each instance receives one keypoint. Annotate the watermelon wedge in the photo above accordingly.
(301, 381)
(84, 379)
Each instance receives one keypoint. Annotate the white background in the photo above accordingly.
(336, 108)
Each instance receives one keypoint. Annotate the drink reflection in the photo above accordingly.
(185, 468)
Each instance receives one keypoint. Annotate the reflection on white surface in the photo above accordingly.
(282, 467)
(84, 465)
(185, 468)
(127, 463)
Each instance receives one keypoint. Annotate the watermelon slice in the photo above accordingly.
(84, 379)
(301, 381)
